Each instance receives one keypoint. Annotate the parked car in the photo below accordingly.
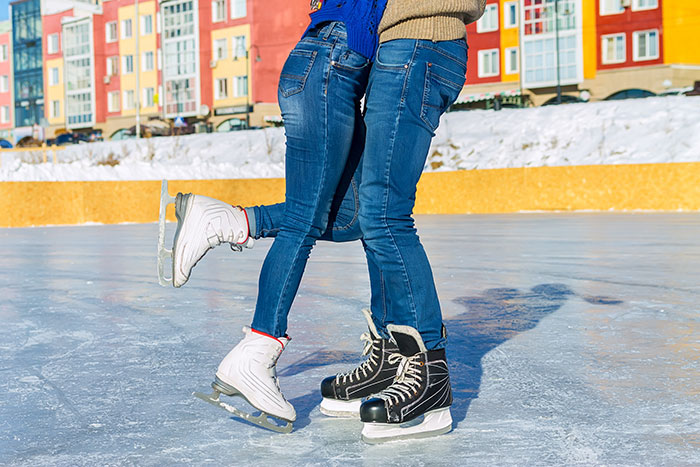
(68, 138)
(5, 144)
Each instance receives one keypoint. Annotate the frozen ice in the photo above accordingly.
(573, 340)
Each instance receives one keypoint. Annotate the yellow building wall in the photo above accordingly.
(510, 37)
(55, 92)
(147, 79)
(681, 34)
(590, 40)
(228, 67)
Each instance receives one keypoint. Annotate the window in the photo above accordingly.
(4, 83)
(611, 7)
(129, 101)
(148, 97)
(127, 64)
(53, 76)
(126, 28)
(489, 21)
(238, 48)
(488, 63)
(148, 61)
(219, 49)
(613, 49)
(159, 59)
(510, 15)
(55, 109)
(113, 101)
(218, 10)
(112, 66)
(5, 114)
(221, 88)
(240, 86)
(146, 25)
(111, 32)
(644, 4)
(238, 9)
(52, 43)
(646, 45)
(3, 53)
(512, 60)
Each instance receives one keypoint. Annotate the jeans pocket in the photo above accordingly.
(395, 54)
(440, 91)
(351, 60)
(295, 71)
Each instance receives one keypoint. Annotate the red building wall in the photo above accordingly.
(482, 41)
(6, 69)
(628, 22)
(276, 29)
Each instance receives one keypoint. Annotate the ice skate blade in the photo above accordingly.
(434, 423)
(163, 253)
(341, 409)
(262, 420)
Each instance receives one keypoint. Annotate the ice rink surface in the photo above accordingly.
(574, 339)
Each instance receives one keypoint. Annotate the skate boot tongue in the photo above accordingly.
(407, 339)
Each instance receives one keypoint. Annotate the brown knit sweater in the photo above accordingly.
(436, 20)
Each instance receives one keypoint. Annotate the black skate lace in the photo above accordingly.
(370, 345)
(408, 379)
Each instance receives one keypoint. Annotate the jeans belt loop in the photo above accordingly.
(329, 30)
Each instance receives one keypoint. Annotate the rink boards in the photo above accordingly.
(656, 187)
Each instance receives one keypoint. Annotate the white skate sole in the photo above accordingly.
(341, 409)
(164, 255)
(264, 420)
(434, 423)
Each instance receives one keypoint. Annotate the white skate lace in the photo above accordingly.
(408, 379)
(365, 366)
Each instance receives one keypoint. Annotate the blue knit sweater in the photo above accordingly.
(361, 18)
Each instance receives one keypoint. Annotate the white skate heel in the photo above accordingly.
(202, 224)
(249, 371)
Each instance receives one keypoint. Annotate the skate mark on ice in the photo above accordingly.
(492, 318)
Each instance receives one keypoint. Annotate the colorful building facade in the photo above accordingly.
(523, 50)
(6, 102)
(104, 65)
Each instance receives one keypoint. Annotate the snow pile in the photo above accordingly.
(664, 129)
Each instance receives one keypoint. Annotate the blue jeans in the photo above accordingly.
(411, 84)
(320, 89)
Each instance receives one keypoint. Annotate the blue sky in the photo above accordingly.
(4, 9)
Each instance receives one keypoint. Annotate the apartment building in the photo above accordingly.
(132, 63)
(6, 103)
(523, 50)
(101, 65)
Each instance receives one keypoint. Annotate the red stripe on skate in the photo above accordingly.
(268, 335)
(248, 224)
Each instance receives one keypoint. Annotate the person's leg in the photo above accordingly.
(320, 91)
(411, 84)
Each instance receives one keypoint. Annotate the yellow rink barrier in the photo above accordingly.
(657, 187)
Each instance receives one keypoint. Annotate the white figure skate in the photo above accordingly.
(249, 371)
(202, 224)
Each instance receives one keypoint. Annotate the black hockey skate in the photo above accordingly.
(422, 387)
(343, 393)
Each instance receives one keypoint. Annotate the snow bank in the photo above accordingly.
(664, 129)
